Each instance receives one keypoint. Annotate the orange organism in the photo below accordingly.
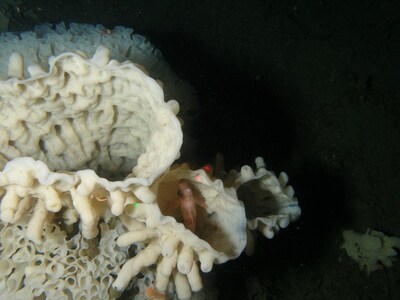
(187, 201)
(153, 294)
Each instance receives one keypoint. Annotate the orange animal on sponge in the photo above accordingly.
(187, 202)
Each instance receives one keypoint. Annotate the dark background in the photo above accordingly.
(313, 87)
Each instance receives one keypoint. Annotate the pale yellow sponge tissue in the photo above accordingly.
(62, 130)
(94, 113)
(370, 250)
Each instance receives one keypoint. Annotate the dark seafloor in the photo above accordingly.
(313, 87)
